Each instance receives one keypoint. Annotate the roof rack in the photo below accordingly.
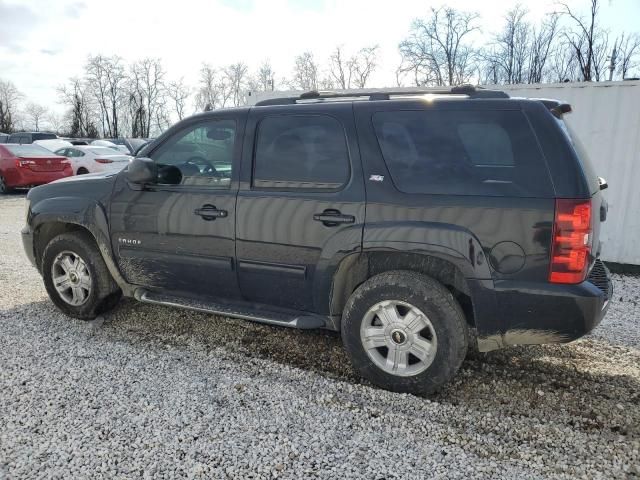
(468, 90)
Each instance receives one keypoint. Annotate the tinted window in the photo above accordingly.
(199, 155)
(300, 151)
(462, 152)
(44, 136)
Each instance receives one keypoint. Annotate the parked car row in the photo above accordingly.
(28, 159)
(128, 146)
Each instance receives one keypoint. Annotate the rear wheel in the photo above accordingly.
(82, 171)
(405, 332)
(76, 277)
(3, 185)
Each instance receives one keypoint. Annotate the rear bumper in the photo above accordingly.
(28, 178)
(535, 313)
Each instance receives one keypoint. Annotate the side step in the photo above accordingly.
(253, 313)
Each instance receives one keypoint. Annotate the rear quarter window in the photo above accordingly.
(462, 152)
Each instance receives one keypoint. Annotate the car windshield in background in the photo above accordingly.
(28, 150)
(105, 151)
(136, 143)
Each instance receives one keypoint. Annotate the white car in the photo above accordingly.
(53, 144)
(107, 143)
(92, 159)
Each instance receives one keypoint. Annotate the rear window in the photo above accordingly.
(462, 152)
(581, 152)
(28, 150)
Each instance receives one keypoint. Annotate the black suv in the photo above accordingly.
(30, 137)
(416, 225)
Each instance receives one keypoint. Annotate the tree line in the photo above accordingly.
(112, 98)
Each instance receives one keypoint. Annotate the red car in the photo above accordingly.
(30, 165)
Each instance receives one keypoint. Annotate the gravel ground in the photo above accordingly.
(158, 393)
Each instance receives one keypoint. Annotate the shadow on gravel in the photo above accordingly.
(585, 379)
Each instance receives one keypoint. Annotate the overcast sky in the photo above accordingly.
(44, 42)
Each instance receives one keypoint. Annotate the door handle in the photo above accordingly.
(332, 218)
(210, 212)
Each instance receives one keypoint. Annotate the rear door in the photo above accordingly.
(301, 203)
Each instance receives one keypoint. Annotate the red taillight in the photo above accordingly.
(571, 242)
(103, 160)
(24, 163)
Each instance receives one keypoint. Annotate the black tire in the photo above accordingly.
(82, 171)
(104, 293)
(441, 309)
(3, 186)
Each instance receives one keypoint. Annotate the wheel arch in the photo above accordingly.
(52, 217)
(356, 269)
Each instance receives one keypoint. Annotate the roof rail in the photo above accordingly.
(469, 90)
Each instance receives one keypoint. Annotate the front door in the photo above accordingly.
(300, 205)
(179, 234)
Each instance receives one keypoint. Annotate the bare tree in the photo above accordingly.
(9, 98)
(564, 65)
(265, 79)
(214, 90)
(584, 40)
(235, 76)
(600, 57)
(624, 55)
(146, 95)
(305, 72)
(340, 68)
(81, 115)
(35, 113)
(510, 48)
(438, 48)
(178, 93)
(363, 64)
(106, 79)
(542, 41)
(56, 123)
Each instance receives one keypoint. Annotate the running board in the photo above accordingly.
(261, 315)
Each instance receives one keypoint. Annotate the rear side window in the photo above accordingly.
(301, 151)
(462, 152)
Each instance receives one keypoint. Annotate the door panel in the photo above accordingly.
(181, 237)
(287, 251)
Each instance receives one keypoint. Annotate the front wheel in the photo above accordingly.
(76, 277)
(405, 332)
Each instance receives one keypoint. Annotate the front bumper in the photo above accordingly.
(537, 313)
(27, 243)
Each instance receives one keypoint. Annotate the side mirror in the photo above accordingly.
(603, 183)
(142, 170)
